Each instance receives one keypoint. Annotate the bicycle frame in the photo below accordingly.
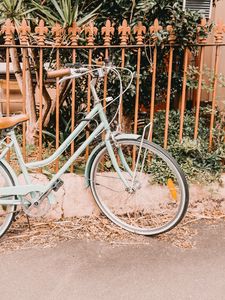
(45, 190)
(29, 187)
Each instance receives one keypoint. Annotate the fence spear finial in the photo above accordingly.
(41, 30)
(107, 31)
(74, 31)
(154, 29)
(91, 31)
(8, 28)
(219, 30)
(202, 27)
(172, 36)
(24, 29)
(139, 29)
(124, 31)
(57, 31)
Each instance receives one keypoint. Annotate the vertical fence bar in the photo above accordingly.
(137, 90)
(8, 29)
(40, 100)
(198, 97)
(219, 30)
(107, 31)
(202, 40)
(105, 82)
(124, 32)
(7, 91)
(194, 92)
(183, 96)
(152, 105)
(24, 100)
(139, 29)
(57, 31)
(90, 32)
(136, 102)
(73, 32)
(7, 83)
(57, 109)
(154, 29)
(212, 117)
(171, 39)
(121, 99)
(168, 97)
(41, 30)
(88, 97)
(73, 108)
(24, 29)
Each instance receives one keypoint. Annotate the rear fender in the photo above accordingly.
(10, 169)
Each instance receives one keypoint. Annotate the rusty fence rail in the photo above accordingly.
(24, 86)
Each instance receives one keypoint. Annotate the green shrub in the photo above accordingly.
(198, 163)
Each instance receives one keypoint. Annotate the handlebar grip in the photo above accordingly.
(59, 73)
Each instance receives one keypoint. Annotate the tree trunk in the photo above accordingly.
(53, 104)
(29, 94)
(46, 97)
(47, 105)
(16, 67)
(30, 103)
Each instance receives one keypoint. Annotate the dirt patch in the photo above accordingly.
(43, 234)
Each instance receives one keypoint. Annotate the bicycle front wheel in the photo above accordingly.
(158, 195)
(7, 212)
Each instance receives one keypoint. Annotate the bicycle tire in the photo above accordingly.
(7, 212)
(104, 180)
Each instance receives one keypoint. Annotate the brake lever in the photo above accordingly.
(75, 65)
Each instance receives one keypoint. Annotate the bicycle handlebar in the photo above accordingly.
(96, 71)
(59, 73)
(77, 68)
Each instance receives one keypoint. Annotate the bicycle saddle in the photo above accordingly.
(8, 122)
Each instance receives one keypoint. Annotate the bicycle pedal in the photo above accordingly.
(59, 182)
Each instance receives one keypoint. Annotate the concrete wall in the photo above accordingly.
(74, 199)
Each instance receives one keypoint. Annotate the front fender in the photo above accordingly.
(95, 151)
(127, 136)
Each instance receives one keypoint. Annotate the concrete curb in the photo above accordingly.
(74, 199)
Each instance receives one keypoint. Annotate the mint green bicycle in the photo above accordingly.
(136, 184)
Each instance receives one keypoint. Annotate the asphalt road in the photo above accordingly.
(97, 270)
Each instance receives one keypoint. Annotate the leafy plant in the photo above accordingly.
(65, 12)
(194, 157)
(14, 10)
(207, 80)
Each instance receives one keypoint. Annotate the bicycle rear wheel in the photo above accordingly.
(159, 198)
(7, 212)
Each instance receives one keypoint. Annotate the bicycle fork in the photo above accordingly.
(129, 187)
